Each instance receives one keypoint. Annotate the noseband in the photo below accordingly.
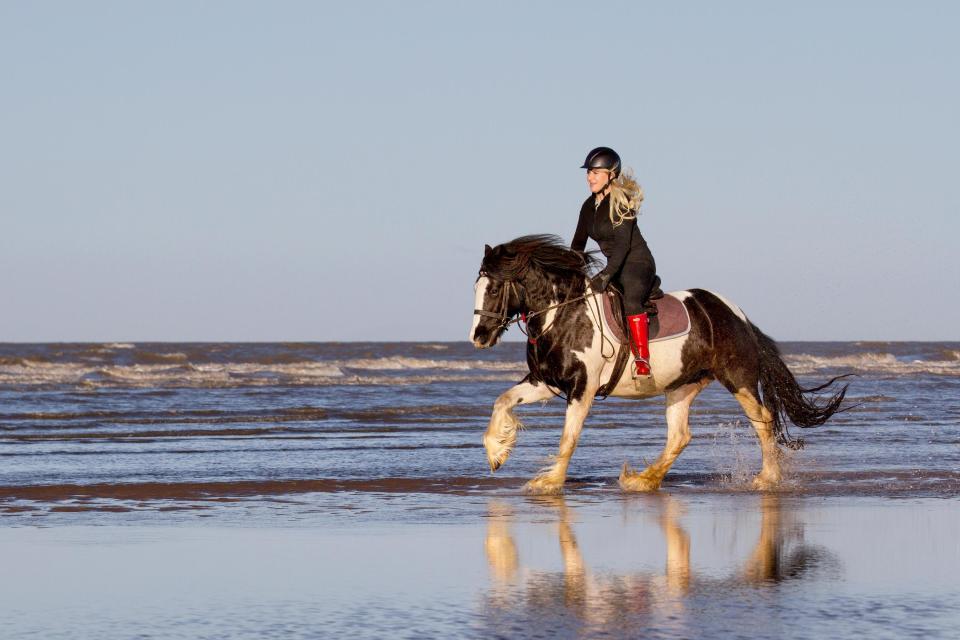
(505, 320)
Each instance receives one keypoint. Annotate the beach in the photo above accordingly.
(240, 397)
(340, 490)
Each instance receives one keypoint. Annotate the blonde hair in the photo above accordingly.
(625, 198)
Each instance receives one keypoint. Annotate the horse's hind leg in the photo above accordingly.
(678, 435)
(762, 421)
(550, 480)
(501, 434)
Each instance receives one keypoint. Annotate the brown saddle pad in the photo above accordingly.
(674, 320)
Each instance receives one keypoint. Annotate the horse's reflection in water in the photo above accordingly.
(602, 602)
(598, 601)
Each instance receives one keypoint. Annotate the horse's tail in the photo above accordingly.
(785, 399)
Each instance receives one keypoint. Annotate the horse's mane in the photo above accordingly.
(546, 252)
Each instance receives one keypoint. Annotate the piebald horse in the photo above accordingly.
(569, 355)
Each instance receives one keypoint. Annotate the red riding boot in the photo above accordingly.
(641, 347)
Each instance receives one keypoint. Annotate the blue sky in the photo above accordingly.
(331, 171)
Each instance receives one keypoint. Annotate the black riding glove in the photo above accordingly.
(599, 282)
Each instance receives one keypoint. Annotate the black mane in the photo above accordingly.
(546, 252)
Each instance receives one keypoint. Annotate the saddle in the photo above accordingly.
(667, 315)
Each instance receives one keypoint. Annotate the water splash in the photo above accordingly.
(729, 450)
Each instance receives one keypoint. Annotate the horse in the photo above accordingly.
(541, 280)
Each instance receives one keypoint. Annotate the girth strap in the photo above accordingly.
(618, 367)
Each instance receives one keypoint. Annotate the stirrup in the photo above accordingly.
(641, 376)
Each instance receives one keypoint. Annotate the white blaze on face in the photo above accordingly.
(479, 293)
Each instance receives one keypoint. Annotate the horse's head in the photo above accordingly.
(498, 296)
(525, 271)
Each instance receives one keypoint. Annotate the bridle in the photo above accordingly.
(509, 285)
(505, 319)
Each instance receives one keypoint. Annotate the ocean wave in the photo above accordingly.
(23, 362)
(871, 362)
(174, 369)
(396, 363)
(393, 370)
(52, 425)
(380, 371)
(424, 379)
(150, 357)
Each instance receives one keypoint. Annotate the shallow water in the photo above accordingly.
(437, 565)
(215, 414)
(331, 490)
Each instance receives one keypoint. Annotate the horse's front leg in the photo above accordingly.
(501, 434)
(550, 480)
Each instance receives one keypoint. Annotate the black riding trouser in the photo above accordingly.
(636, 279)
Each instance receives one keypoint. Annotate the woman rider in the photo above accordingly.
(609, 216)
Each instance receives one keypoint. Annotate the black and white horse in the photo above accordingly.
(571, 355)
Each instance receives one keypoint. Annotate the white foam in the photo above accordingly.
(392, 370)
(873, 362)
(40, 373)
(176, 355)
(395, 363)
(253, 374)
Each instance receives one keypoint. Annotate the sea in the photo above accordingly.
(341, 490)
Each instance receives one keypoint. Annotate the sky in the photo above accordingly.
(330, 171)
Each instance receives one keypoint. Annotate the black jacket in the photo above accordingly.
(620, 245)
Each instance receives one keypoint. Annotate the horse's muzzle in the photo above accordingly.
(483, 335)
(491, 339)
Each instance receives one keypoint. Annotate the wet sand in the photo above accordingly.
(488, 562)
(41, 500)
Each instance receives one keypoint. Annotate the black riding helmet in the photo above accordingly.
(603, 158)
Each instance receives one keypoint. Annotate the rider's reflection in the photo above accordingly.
(578, 598)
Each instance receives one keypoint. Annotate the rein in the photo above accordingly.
(532, 314)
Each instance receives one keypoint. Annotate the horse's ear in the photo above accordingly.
(487, 250)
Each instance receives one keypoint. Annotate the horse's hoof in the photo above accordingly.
(639, 483)
(543, 487)
(497, 451)
(760, 483)
(632, 481)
